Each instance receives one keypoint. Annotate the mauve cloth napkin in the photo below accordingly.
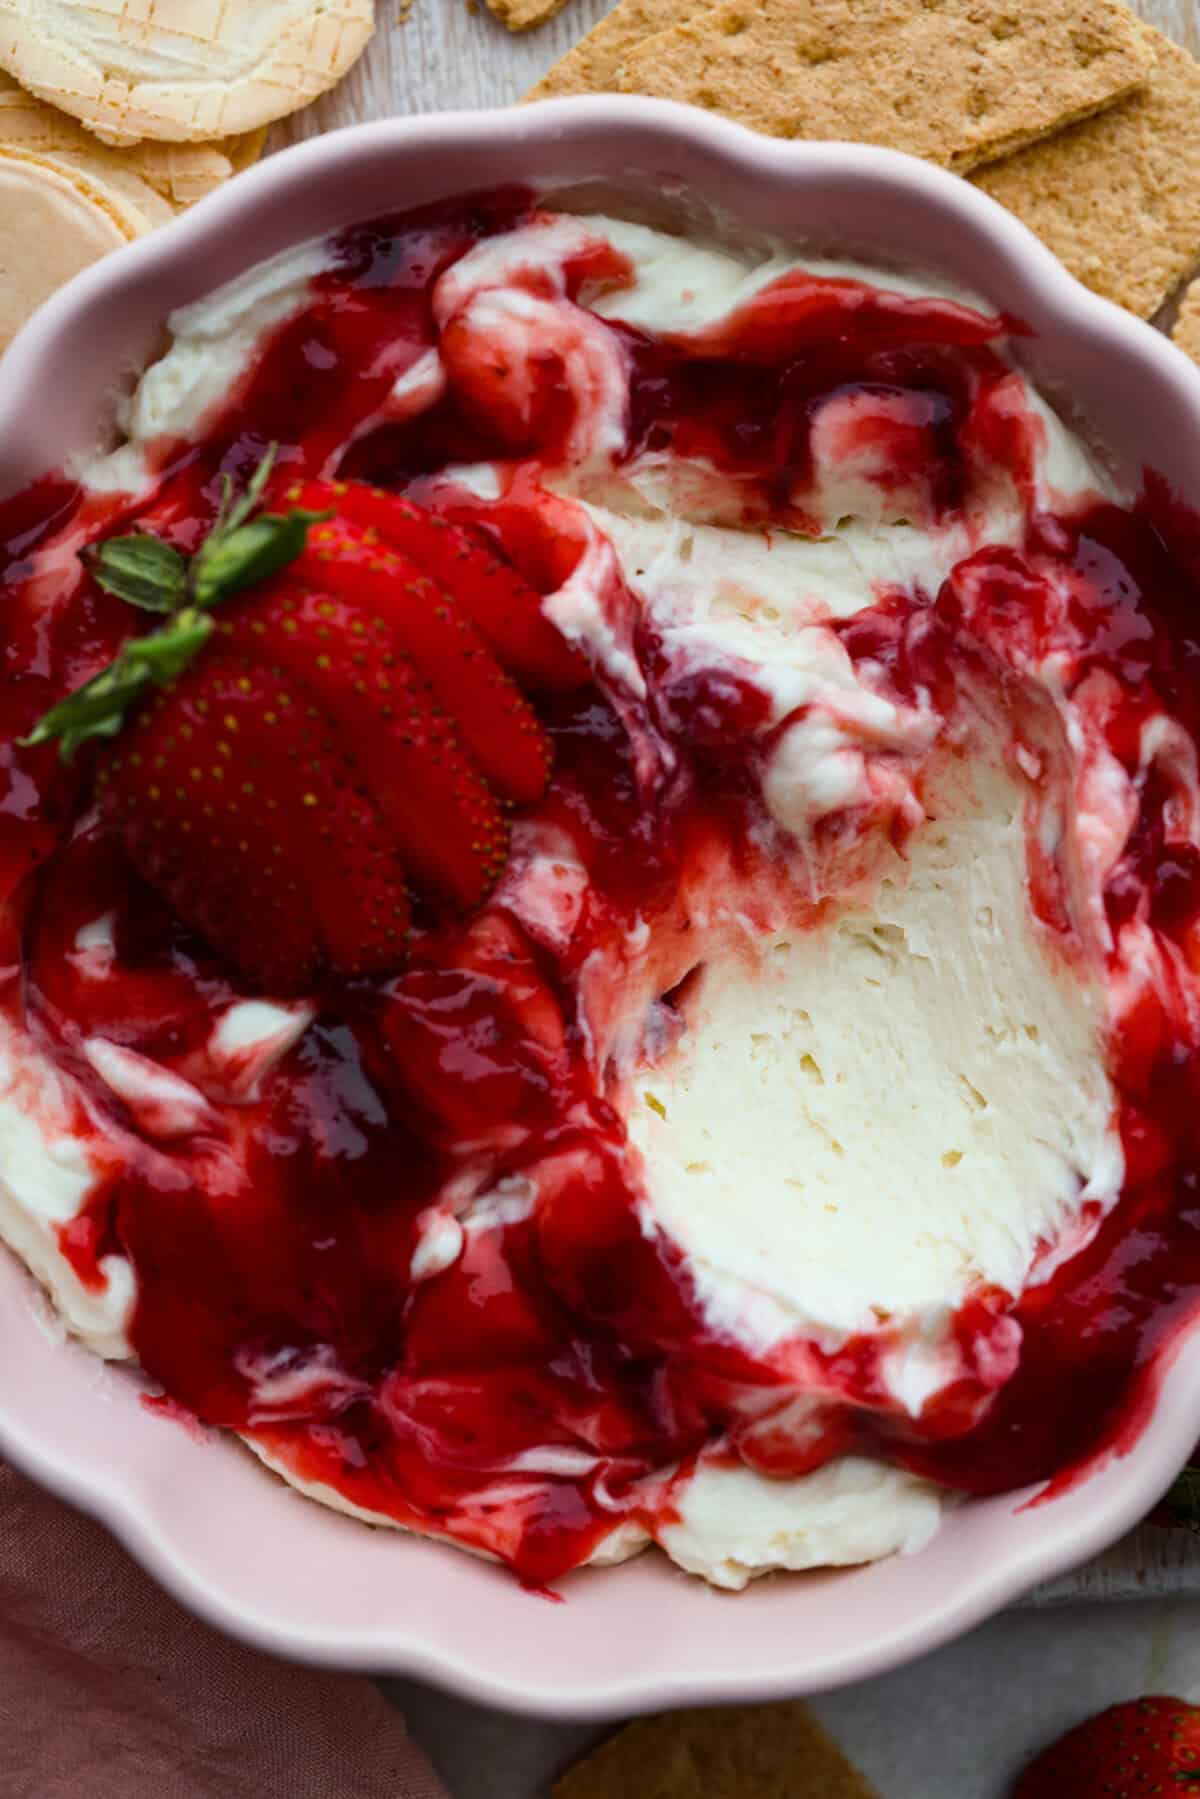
(109, 1690)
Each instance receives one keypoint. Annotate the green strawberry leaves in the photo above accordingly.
(141, 569)
(239, 551)
(99, 707)
(253, 552)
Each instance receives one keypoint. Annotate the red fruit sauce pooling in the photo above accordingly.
(276, 1242)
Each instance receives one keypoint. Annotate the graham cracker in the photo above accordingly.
(1187, 326)
(741, 1752)
(1118, 197)
(523, 15)
(958, 82)
(592, 66)
(182, 71)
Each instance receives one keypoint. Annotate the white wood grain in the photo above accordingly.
(1178, 18)
(444, 53)
(453, 53)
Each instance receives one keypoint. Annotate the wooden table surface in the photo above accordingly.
(433, 54)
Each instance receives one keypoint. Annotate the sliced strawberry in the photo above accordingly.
(494, 720)
(235, 803)
(445, 819)
(352, 875)
(315, 726)
(225, 865)
(503, 607)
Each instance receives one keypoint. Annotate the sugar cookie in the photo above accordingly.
(71, 221)
(183, 71)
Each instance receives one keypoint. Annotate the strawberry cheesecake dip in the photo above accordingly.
(600, 855)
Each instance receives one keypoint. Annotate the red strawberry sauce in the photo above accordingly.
(515, 1399)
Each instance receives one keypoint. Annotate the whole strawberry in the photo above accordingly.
(324, 722)
(1143, 1746)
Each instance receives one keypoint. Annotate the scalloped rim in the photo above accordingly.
(1124, 1489)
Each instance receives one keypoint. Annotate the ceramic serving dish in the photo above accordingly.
(227, 1538)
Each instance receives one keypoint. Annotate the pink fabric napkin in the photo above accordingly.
(109, 1690)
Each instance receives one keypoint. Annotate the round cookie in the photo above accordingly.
(161, 179)
(181, 71)
(66, 199)
(53, 222)
(124, 191)
(181, 173)
(244, 150)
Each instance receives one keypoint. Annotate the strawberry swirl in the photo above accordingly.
(769, 1093)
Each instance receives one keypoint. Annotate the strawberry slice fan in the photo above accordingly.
(330, 718)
